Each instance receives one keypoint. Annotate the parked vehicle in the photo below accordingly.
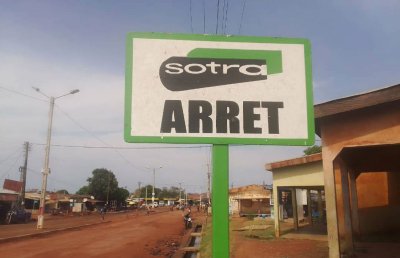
(17, 215)
(188, 221)
(161, 203)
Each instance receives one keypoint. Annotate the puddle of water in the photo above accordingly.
(197, 241)
(190, 255)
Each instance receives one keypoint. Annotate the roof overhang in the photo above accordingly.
(372, 158)
(355, 102)
(293, 162)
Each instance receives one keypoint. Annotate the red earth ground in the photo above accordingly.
(282, 248)
(160, 234)
(127, 235)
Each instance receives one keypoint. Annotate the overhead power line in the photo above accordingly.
(204, 16)
(125, 148)
(216, 26)
(11, 167)
(241, 18)
(21, 94)
(53, 179)
(226, 16)
(17, 151)
(191, 17)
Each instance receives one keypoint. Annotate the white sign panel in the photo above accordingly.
(214, 89)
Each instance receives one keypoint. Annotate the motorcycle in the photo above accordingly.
(187, 221)
(16, 215)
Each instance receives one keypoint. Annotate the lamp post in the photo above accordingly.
(154, 184)
(46, 169)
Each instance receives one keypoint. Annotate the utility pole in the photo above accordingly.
(180, 192)
(153, 194)
(108, 186)
(146, 196)
(209, 183)
(23, 176)
(200, 197)
(139, 183)
(46, 168)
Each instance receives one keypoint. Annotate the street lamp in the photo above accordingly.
(154, 184)
(46, 169)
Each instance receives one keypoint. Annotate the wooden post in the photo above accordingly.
(294, 207)
(276, 212)
(346, 245)
(320, 208)
(309, 218)
(330, 199)
(354, 202)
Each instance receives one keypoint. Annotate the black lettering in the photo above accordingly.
(273, 116)
(200, 110)
(249, 117)
(173, 117)
(227, 111)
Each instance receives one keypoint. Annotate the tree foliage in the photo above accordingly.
(103, 185)
(84, 190)
(313, 150)
(62, 191)
(172, 192)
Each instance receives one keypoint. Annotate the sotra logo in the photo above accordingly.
(205, 67)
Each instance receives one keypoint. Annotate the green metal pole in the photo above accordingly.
(219, 201)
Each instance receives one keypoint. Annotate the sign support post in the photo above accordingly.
(219, 201)
(219, 90)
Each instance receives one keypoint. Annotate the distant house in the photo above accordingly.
(250, 200)
(7, 198)
(61, 203)
(295, 182)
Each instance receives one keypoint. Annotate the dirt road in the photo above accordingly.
(128, 235)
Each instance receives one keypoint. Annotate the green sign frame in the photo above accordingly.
(220, 145)
(216, 140)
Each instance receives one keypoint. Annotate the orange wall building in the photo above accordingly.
(361, 162)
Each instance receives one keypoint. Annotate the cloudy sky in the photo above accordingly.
(58, 46)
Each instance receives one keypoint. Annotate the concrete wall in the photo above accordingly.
(378, 202)
(378, 125)
(309, 174)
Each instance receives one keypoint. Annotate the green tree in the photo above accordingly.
(172, 192)
(120, 195)
(102, 184)
(84, 190)
(62, 191)
(313, 150)
(157, 191)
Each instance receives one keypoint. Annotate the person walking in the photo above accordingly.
(102, 212)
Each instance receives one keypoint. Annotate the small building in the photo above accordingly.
(61, 203)
(360, 150)
(298, 186)
(250, 200)
(7, 198)
(170, 201)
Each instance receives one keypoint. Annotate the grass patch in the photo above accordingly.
(237, 223)
(250, 223)
(206, 240)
